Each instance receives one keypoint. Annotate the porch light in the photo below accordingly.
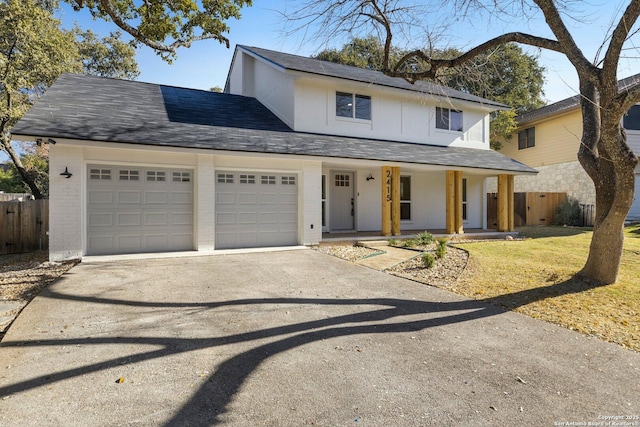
(66, 173)
(370, 177)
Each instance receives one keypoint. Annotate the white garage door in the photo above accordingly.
(135, 209)
(256, 209)
(634, 213)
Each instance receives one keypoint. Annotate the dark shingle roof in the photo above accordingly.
(568, 103)
(119, 111)
(330, 69)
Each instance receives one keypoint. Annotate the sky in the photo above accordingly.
(205, 64)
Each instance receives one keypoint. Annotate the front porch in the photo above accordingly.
(469, 234)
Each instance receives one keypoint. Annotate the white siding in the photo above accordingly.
(66, 220)
(633, 139)
(634, 213)
(395, 115)
(205, 205)
(274, 89)
(310, 204)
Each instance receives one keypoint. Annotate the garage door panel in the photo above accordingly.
(269, 218)
(253, 214)
(155, 218)
(183, 198)
(289, 218)
(129, 242)
(101, 220)
(128, 219)
(248, 218)
(182, 218)
(101, 243)
(225, 218)
(149, 214)
(101, 197)
(153, 197)
(247, 198)
(225, 199)
(156, 240)
(127, 197)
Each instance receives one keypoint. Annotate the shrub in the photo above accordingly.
(425, 238)
(393, 242)
(409, 243)
(428, 260)
(441, 248)
(568, 213)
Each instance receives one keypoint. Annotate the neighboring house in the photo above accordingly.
(294, 147)
(548, 139)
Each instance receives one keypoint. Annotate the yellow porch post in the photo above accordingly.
(451, 202)
(459, 228)
(395, 201)
(505, 203)
(511, 201)
(386, 200)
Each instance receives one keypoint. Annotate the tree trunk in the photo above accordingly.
(8, 148)
(614, 180)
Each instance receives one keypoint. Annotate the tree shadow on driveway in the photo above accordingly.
(211, 400)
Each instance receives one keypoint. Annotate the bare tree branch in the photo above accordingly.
(618, 38)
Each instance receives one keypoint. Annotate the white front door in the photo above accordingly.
(342, 201)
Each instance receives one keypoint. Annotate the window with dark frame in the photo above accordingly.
(405, 197)
(464, 199)
(527, 138)
(448, 119)
(100, 174)
(353, 106)
(129, 175)
(631, 120)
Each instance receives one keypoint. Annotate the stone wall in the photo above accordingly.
(567, 178)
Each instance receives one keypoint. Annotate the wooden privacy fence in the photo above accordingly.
(529, 208)
(24, 226)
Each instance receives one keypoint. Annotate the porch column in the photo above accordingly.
(454, 202)
(395, 201)
(386, 200)
(505, 203)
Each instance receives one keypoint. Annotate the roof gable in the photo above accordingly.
(568, 104)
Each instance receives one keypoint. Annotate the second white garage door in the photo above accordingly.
(256, 209)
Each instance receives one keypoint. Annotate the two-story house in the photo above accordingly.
(548, 139)
(294, 147)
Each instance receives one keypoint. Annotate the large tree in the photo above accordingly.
(166, 25)
(505, 74)
(603, 152)
(34, 51)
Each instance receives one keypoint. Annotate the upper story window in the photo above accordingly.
(353, 106)
(631, 120)
(448, 119)
(526, 138)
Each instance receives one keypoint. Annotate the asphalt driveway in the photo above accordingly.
(294, 338)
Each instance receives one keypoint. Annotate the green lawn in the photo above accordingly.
(535, 277)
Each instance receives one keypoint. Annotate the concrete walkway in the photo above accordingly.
(390, 257)
(294, 338)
